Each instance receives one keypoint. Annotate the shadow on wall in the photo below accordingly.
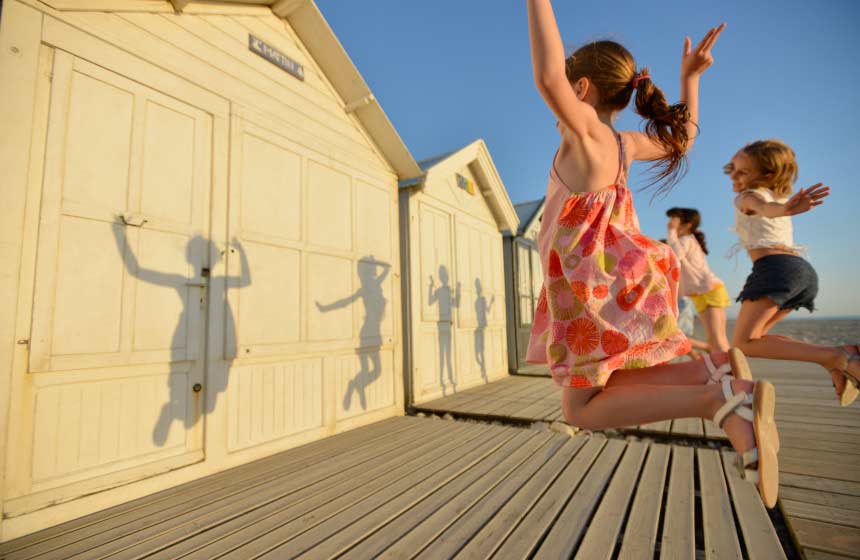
(443, 297)
(482, 309)
(197, 246)
(372, 298)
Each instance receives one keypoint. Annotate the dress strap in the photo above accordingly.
(621, 157)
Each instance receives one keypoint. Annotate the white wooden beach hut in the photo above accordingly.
(523, 280)
(199, 246)
(452, 221)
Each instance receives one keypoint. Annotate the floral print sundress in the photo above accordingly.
(610, 295)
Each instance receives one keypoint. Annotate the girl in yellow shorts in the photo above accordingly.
(697, 281)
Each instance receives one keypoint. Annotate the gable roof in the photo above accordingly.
(492, 188)
(528, 212)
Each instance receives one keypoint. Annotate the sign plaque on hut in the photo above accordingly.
(276, 57)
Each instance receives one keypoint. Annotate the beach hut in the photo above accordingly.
(523, 281)
(200, 253)
(452, 220)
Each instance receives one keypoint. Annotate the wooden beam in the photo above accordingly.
(179, 5)
(283, 8)
(360, 102)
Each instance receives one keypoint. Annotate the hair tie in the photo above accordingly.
(636, 79)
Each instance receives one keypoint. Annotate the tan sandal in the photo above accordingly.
(852, 384)
(737, 366)
(757, 408)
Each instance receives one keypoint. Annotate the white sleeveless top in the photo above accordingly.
(758, 232)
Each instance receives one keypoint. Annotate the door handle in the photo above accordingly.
(133, 221)
(196, 284)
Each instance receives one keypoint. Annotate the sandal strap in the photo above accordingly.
(739, 403)
(751, 475)
(750, 457)
(742, 461)
(716, 373)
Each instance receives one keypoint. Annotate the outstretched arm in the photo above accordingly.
(133, 267)
(803, 201)
(343, 302)
(548, 67)
(694, 62)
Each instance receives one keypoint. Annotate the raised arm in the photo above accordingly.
(803, 201)
(694, 62)
(548, 67)
(133, 266)
(244, 278)
(673, 241)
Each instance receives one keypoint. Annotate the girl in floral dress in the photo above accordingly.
(606, 321)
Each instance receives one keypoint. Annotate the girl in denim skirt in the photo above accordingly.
(781, 281)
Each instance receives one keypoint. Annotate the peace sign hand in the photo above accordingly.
(695, 61)
(806, 199)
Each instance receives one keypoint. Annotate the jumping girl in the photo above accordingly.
(697, 281)
(606, 320)
(762, 174)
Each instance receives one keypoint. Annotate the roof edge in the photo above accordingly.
(318, 37)
(498, 199)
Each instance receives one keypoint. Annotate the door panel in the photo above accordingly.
(118, 321)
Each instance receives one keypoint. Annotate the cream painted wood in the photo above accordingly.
(300, 218)
(24, 65)
(116, 296)
(188, 53)
(459, 333)
(279, 385)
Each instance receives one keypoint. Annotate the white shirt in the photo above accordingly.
(758, 232)
(696, 275)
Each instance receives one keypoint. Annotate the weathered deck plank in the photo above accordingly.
(679, 530)
(434, 489)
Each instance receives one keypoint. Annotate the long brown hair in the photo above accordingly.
(612, 69)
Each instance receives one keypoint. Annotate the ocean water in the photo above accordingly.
(817, 331)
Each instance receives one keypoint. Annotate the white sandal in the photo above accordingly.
(737, 366)
(758, 409)
(852, 385)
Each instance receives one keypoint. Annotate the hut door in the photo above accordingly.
(529, 280)
(440, 295)
(115, 389)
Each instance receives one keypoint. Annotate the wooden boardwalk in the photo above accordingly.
(819, 455)
(426, 488)
(535, 398)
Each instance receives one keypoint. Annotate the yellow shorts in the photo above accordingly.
(718, 297)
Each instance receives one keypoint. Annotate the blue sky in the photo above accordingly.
(448, 72)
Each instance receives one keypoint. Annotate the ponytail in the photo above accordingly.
(666, 125)
(700, 237)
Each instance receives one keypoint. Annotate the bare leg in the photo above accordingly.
(777, 317)
(757, 317)
(714, 321)
(748, 336)
(699, 344)
(631, 405)
(684, 373)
